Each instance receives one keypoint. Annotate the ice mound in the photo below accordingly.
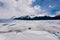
(28, 35)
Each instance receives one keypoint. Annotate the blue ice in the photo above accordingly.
(58, 35)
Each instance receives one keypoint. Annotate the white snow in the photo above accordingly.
(28, 35)
(39, 30)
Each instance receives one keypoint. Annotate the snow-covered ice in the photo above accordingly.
(19, 30)
(28, 35)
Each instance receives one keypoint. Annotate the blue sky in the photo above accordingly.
(50, 6)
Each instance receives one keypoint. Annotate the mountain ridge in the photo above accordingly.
(38, 18)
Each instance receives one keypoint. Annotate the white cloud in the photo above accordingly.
(20, 8)
(12, 8)
(24, 8)
(58, 13)
(8, 10)
(51, 6)
(37, 9)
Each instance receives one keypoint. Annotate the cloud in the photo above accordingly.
(51, 6)
(24, 8)
(19, 8)
(58, 13)
(12, 8)
(8, 10)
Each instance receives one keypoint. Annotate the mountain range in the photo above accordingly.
(38, 18)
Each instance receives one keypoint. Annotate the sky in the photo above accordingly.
(17, 8)
(52, 6)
